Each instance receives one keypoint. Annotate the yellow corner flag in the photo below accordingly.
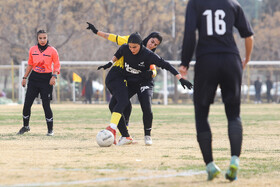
(76, 78)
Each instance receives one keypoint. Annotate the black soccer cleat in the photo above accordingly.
(23, 130)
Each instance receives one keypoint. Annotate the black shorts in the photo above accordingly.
(115, 81)
(117, 86)
(39, 83)
(141, 89)
(220, 69)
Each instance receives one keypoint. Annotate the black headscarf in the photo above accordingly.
(152, 35)
(42, 48)
(135, 38)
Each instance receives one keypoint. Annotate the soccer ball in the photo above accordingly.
(105, 138)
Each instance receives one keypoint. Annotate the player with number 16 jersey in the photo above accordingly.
(218, 63)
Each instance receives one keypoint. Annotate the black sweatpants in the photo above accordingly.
(38, 83)
(211, 71)
(116, 84)
(144, 92)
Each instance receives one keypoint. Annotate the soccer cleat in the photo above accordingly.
(50, 133)
(148, 140)
(23, 130)
(231, 173)
(114, 133)
(125, 141)
(212, 170)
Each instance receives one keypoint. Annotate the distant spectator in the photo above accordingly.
(268, 89)
(88, 91)
(258, 88)
(2, 94)
(108, 95)
(97, 96)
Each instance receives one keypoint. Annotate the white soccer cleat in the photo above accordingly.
(125, 141)
(212, 170)
(50, 133)
(148, 140)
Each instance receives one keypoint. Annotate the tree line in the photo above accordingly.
(65, 21)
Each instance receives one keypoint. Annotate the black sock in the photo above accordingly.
(235, 136)
(50, 123)
(147, 132)
(205, 143)
(26, 120)
(122, 127)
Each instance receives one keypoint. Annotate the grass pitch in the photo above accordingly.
(72, 158)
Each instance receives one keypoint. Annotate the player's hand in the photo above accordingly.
(106, 66)
(185, 83)
(183, 71)
(92, 28)
(244, 63)
(146, 74)
(52, 81)
(23, 82)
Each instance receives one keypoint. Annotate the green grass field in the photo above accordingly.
(72, 158)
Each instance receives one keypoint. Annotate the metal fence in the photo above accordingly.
(167, 89)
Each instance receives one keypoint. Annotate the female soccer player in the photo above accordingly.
(217, 63)
(145, 96)
(137, 60)
(41, 79)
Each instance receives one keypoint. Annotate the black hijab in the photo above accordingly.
(152, 35)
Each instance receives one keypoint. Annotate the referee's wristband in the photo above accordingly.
(24, 77)
(54, 75)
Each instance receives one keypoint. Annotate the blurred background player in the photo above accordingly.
(217, 63)
(43, 67)
(269, 86)
(145, 96)
(258, 90)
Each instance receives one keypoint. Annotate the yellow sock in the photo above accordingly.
(115, 118)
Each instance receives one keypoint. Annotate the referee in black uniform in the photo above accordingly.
(217, 63)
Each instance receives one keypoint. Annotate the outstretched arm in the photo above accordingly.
(166, 65)
(97, 32)
(120, 40)
(109, 64)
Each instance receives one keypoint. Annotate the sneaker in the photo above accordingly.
(114, 133)
(125, 141)
(212, 170)
(231, 173)
(50, 133)
(148, 140)
(23, 130)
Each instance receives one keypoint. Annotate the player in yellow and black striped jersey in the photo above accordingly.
(144, 96)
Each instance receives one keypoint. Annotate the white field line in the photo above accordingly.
(181, 174)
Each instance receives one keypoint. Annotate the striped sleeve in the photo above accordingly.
(120, 40)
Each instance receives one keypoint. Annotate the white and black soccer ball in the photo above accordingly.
(105, 138)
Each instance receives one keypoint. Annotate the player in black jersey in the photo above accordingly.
(217, 63)
(145, 92)
(137, 61)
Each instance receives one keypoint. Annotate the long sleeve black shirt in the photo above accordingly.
(135, 64)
